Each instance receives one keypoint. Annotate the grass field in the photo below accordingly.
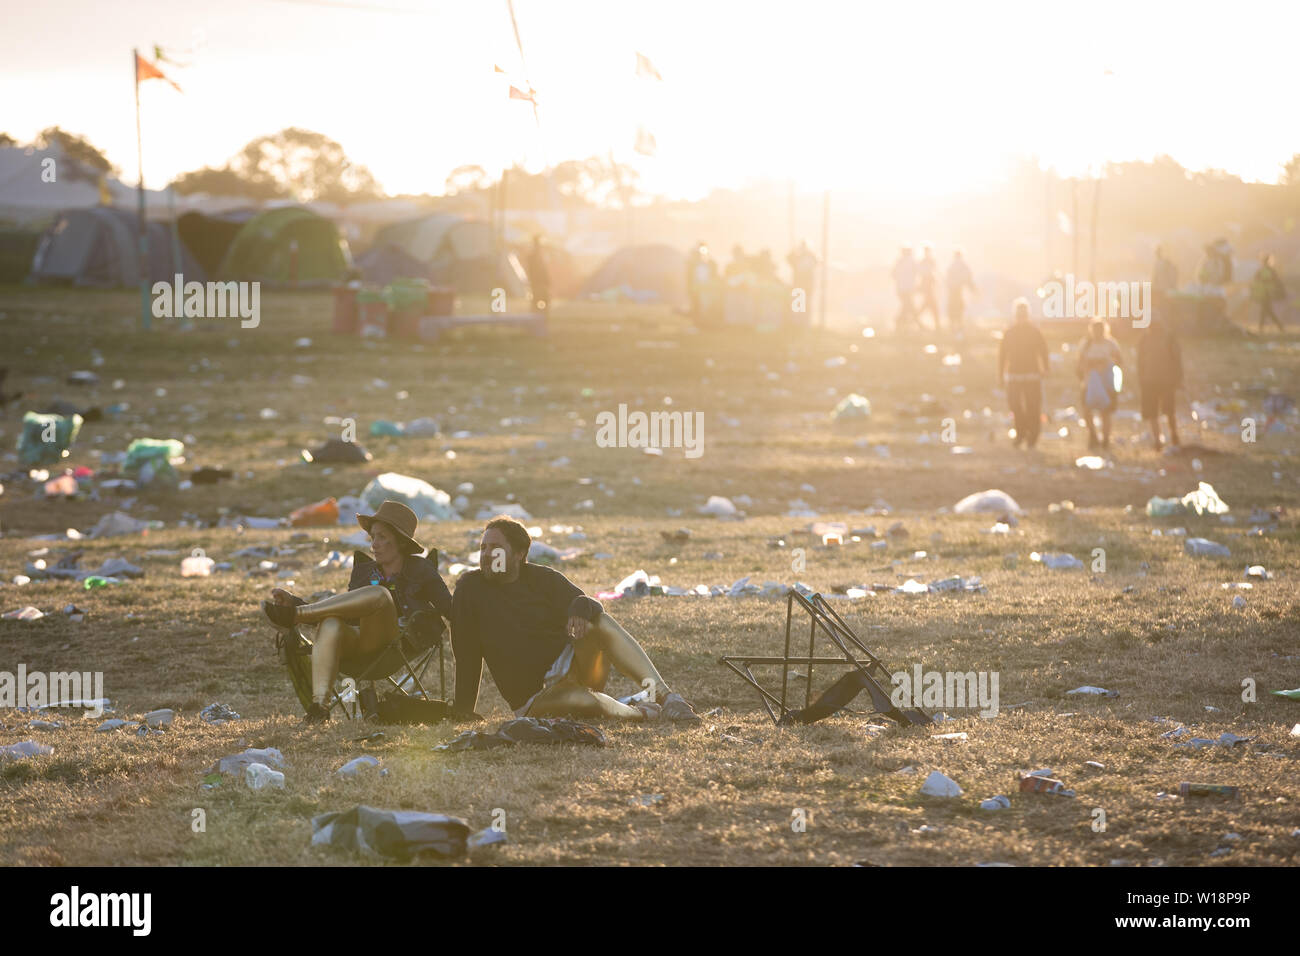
(1157, 625)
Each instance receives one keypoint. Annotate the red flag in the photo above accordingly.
(497, 69)
(144, 70)
(518, 94)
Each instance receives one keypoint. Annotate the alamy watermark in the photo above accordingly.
(179, 299)
(651, 430)
(37, 689)
(1083, 299)
(949, 690)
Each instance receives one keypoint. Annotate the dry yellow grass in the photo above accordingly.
(1165, 636)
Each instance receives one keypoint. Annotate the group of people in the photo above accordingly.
(917, 285)
(548, 646)
(1023, 364)
(1215, 271)
(702, 274)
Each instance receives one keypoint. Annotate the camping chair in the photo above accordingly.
(402, 664)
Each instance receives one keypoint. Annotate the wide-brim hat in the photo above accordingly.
(401, 519)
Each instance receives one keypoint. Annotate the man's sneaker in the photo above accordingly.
(316, 714)
(674, 707)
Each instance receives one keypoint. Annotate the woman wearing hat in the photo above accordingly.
(384, 595)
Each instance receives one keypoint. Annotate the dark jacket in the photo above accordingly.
(418, 586)
(1160, 361)
(518, 629)
(1023, 351)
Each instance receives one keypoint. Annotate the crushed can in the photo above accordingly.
(1223, 791)
(1030, 783)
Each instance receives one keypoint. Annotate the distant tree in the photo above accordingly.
(7, 140)
(467, 179)
(226, 182)
(309, 165)
(297, 163)
(76, 148)
(1291, 171)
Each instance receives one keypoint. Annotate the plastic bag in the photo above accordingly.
(428, 502)
(34, 449)
(148, 461)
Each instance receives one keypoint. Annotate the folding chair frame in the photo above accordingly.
(852, 652)
(413, 667)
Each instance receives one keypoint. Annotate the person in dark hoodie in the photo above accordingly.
(1022, 364)
(548, 646)
(1160, 375)
(397, 592)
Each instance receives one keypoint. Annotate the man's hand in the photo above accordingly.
(577, 628)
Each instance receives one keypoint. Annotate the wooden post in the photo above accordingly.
(826, 256)
(143, 225)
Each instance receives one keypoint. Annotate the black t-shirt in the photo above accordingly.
(518, 628)
(1023, 350)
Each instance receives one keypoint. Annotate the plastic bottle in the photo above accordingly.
(259, 776)
(196, 566)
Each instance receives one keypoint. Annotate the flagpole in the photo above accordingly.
(143, 225)
(826, 256)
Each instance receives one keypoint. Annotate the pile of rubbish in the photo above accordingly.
(641, 584)
(1203, 501)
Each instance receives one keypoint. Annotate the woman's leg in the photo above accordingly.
(333, 640)
(372, 604)
(336, 639)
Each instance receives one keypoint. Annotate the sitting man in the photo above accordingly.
(396, 592)
(548, 646)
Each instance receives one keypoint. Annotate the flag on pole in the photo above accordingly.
(517, 94)
(645, 142)
(161, 57)
(497, 69)
(144, 70)
(645, 68)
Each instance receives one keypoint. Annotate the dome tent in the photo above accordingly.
(458, 253)
(650, 273)
(263, 248)
(99, 246)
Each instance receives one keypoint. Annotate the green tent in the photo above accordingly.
(263, 248)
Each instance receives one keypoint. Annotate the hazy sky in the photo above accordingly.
(909, 97)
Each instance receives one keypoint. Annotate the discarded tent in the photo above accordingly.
(100, 247)
(289, 243)
(456, 252)
(642, 273)
(399, 834)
